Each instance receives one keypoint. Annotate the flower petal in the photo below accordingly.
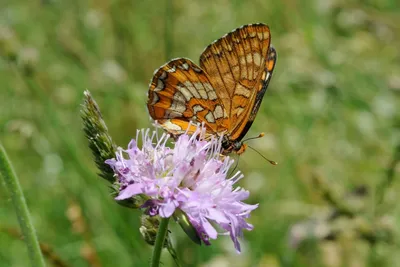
(130, 191)
(167, 209)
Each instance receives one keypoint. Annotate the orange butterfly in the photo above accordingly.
(224, 92)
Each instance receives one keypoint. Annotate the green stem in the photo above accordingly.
(18, 199)
(159, 244)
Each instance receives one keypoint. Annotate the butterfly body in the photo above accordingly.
(224, 92)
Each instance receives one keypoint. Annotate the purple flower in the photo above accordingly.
(191, 177)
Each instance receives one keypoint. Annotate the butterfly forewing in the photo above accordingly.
(180, 92)
(266, 77)
(236, 66)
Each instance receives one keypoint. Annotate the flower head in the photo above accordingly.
(191, 177)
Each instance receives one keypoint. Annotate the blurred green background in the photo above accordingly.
(331, 111)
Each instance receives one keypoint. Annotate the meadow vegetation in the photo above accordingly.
(330, 116)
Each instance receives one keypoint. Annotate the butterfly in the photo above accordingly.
(224, 92)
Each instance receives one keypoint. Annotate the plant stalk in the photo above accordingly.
(159, 244)
(21, 208)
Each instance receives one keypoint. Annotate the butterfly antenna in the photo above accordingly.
(270, 161)
(251, 138)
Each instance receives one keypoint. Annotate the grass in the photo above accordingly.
(331, 111)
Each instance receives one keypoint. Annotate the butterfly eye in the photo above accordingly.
(237, 146)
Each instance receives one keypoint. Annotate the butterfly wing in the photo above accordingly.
(239, 66)
(181, 92)
(265, 79)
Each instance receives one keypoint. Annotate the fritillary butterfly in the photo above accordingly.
(224, 92)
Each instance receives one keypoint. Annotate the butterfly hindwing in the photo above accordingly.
(180, 92)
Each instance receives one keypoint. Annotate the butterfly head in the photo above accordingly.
(230, 146)
(238, 147)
